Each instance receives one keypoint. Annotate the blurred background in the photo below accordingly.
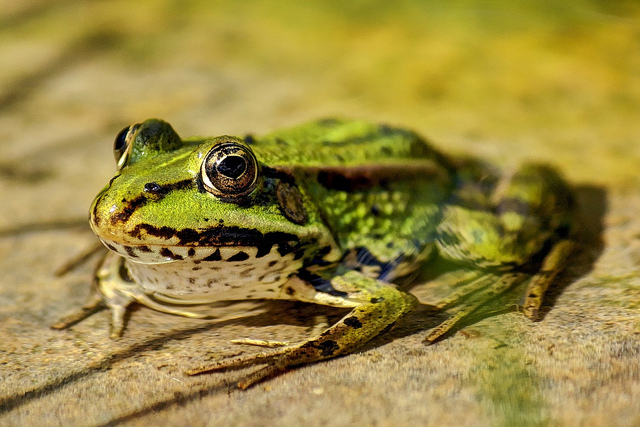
(508, 81)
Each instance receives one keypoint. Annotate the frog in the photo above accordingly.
(334, 212)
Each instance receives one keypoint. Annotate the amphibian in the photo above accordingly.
(332, 212)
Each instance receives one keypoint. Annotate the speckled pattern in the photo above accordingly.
(505, 82)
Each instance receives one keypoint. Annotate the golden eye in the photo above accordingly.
(230, 170)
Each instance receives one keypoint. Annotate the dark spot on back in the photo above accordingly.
(328, 122)
(419, 148)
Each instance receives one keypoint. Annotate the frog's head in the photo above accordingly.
(202, 199)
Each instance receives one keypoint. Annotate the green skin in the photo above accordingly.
(337, 212)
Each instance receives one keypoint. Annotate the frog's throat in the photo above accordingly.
(230, 273)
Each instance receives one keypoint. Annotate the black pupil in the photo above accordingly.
(121, 139)
(232, 166)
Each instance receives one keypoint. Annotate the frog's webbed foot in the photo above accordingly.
(378, 306)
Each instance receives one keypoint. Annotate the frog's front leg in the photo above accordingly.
(377, 306)
(111, 289)
(114, 289)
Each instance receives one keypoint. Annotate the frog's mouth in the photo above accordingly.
(147, 243)
(219, 235)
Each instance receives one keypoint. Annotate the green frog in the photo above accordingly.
(333, 212)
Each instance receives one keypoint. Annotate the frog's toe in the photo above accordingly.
(552, 264)
(92, 306)
(258, 376)
(273, 361)
(238, 362)
(261, 343)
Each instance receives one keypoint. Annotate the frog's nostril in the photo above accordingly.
(152, 187)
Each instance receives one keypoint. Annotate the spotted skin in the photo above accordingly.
(332, 212)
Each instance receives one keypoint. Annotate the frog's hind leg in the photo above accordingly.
(530, 215)
(552, 264)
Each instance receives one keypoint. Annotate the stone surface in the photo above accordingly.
(529, 80)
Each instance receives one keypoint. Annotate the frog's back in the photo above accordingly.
(380, 189)
(344, 143)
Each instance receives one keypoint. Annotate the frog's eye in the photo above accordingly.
(230, 170)
(122, 145)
